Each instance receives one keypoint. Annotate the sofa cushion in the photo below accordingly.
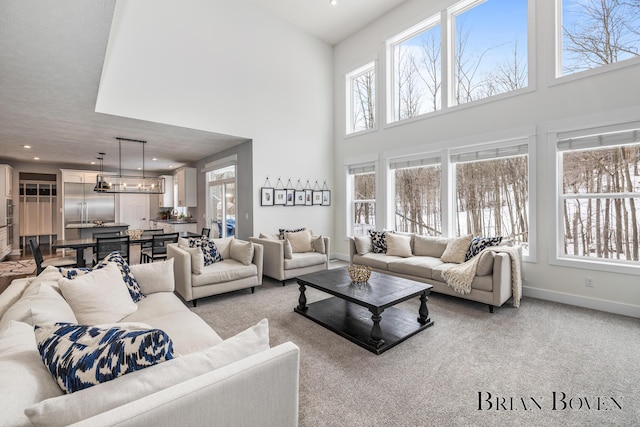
(100, 296)
(155, 277)
(300, 241)
(436, 271)
(457, 249)
(398, 245)
(223, 246)
(282, 231)
(305, 259)
(157, 304)
(197, 259)
(269, 236)
(379, 261)
(429, 246)
(210, 252)
(318, 244)
(379, 241)
(420, 266)
(225, 271)
(479, 243)
(482, 283)
(11, 294)
(241, 251)
(65, 410)
(286, 248)
(363, 244)
(187, 330)
(25, 380)
(485, 264)
(80, 356)
(40, 302)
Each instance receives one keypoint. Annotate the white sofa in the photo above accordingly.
(196, 388)
(283, 266)
(232, 273)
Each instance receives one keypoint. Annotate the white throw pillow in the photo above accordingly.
(364, 245)
(398, 245)
(100, 296)
(25, 381)
(457, 249)
(94, 400)
(288, 252)
(241, 251)
(300, 241)
(429, 246)
(318, 244)
(155, 276)
(223, 246)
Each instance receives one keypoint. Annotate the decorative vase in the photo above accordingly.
(359, 274)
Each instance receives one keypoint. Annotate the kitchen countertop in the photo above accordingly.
(92, 225)
(177, 221)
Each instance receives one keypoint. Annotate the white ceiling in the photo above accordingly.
(51, 57)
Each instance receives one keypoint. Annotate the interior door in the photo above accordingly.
(134, 210)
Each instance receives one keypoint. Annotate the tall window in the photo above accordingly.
(221, 201)
(418, 195)
(598, 32)
(415, 76)
(489, 52)
(361, 98)
(362, 184)
(600, 196)
(492, 192)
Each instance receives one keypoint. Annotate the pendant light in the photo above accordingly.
(101, 185)
(132, 184)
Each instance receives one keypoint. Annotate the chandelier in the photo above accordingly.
(128, 184)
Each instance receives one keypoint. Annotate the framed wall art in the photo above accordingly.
(299, 198)
(266, 196)
(290, 196)
(326, 198)
(317, 197)
(280, 197)
(308, 197)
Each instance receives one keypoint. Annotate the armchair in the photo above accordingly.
(281, 267)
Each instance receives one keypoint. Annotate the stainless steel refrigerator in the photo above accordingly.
(82, 205)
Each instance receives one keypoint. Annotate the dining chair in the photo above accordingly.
(106, 245)
(107, 234)
(145, 234)
(41, 263)
(206, 232)
(158, 249)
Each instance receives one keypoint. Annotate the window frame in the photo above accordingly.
(349, 78)
(556, 253)
(349, 193)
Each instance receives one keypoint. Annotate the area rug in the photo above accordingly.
(17, 268)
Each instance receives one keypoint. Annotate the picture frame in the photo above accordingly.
(266, 196)
(280, 197)
(317, 197)
(326, 198)
(290, 196)
(299, 197)
(308, 197)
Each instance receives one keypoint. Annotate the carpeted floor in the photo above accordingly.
(543, 364)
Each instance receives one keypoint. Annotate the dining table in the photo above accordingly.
(81, 244)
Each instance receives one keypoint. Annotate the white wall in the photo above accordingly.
(593, 99)
(229, 67)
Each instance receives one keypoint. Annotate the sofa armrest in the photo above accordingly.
(273, 259)
(352, 248)
(181, 270)
(258, 259)
(262, 389)
(327, 248)
(502, 289)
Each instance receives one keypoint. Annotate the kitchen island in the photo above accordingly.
(87, 230)
(175, 225)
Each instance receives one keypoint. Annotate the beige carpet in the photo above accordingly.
(434, 378)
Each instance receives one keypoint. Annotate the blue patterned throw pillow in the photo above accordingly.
(479, 243)
(80, 356)
(209, 250)
(132, 284)
(379, 241)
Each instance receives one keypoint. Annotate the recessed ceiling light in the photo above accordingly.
(27, 146)
(333, 2)
(93, 163)
(154, 159)
(36, 158)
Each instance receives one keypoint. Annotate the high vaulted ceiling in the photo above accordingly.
(51, 58)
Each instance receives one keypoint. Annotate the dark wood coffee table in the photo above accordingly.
(355, 311)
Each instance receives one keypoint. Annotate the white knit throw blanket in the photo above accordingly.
(460, 276)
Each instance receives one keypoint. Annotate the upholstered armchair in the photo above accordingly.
(294, 255)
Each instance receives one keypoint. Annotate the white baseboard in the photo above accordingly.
(580, 301)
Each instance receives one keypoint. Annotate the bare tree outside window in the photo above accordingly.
(363, 95)
(599, 32)
(364, 203)
(418, 201)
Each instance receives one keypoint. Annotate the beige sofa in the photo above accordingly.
(235, 271)
(491, 285)
(283, 266)
(237, 381)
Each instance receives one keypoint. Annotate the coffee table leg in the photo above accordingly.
(376, 332)
(302, 300)
(423, 311)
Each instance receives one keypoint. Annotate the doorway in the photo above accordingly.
(221, 201)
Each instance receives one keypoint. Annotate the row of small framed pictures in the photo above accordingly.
(289, 197)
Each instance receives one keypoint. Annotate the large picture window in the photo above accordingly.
(599, 201)
(418, 195)
(597, 33)
(492, 193)
(362, 194)
(361, 98)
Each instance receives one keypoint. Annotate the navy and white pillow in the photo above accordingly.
(379, 241)
(480, 243)
(282, 231)
(80, 356)
(132, 284)
(209, 250)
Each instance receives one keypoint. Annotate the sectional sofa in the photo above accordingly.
(208, 380)
(422, 258)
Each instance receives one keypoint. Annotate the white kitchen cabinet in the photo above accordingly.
(168, 227)
(166, 200)
(186, 187)
(5, 249)
(85, 177)
(6, 181)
